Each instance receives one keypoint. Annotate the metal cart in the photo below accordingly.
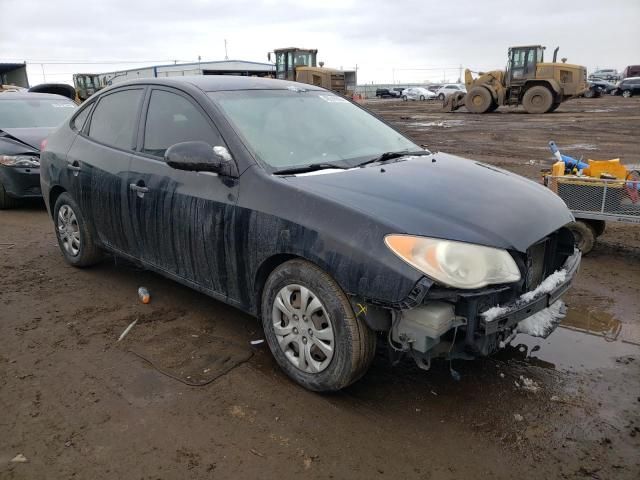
(594, 201)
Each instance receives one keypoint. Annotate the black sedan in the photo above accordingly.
(300, 207)
(25, 121)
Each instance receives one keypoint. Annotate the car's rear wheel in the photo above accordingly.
(404, 98)
(589, 94)
(6, 202)
(422, 98)
(626, 93)
(441, 97)
(312, 330)
(74, 236)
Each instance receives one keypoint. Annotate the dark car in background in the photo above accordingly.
(598, 88)
(628, 87)
(387, 93)
(298, 206)
(631, 71)
(25, 121)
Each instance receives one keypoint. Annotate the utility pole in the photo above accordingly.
(226, 56)
(460, 74)
(199, 68)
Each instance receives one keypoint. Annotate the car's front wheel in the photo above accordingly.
(404, 98)
(74, 236)
(441, 97)
(312, 330)
(626, 93)
(422, 98)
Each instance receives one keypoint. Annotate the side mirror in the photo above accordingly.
(198, 156)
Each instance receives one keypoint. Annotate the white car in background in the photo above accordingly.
(417, 93)
(449, 88)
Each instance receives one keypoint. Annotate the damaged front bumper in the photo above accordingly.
(530, 303)
(468, 324)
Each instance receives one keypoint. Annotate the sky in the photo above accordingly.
(402, 41)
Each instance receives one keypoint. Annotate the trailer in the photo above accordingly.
(595, 201)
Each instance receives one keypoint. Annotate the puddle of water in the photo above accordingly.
(440, 124)
(587, 339)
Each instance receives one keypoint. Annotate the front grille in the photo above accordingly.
(535, 265)
(547, 256)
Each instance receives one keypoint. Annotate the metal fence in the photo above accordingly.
(599, 198)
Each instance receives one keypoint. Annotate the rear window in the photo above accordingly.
(34, 113)
(115, 118)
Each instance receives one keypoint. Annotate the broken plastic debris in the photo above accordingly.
(20, 458)
(257, 342)
(518, 417)
(144, 295)
(126, 330)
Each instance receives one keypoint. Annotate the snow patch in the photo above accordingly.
(542, 323)
(547, 286)
(440, 124)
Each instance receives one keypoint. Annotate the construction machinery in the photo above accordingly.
(86, 84)
(529, 81)
(299, 64)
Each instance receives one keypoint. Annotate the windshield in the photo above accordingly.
(30, 113)
(287, 128)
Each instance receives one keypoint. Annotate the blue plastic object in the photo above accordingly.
(570, 162)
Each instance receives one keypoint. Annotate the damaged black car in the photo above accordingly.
(302, 208)
(25, 120)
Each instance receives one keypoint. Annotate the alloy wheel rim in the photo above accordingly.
(303, 328)
(69, 230)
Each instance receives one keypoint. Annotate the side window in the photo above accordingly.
(78, 122)
(114, 119)
(172, 119)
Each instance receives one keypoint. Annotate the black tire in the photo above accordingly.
(598, 226)
(6, 202)
(422, 98)
(478, 100)
(554, 107)
(404, 98)
(627, 93)
(88, 252)
(589, 94)
(494, 106)
(584, 235)
(354, 344)
(538, 99)
(441, 97)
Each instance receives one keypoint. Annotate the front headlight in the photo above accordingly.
(25, 161)
(455, 264)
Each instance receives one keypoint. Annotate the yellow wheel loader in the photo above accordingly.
(528, 81)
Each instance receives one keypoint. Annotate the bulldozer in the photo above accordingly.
(528, 81)
(299, 65)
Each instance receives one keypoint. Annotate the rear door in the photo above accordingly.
(100, 157)
(179, 217)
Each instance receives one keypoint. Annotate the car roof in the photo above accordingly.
(214, 83)
(31, 96)
(631, 78)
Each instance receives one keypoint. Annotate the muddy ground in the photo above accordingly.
(78, 404)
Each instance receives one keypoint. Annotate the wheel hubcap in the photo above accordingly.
(303, 328)
(68, 230)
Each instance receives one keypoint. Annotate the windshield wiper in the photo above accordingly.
(391, 155)
(307, 168)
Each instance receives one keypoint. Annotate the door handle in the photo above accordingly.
(140, 190)
(74, 167)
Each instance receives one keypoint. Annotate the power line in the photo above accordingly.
(105, 62)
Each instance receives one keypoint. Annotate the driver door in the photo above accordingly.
(179, 217)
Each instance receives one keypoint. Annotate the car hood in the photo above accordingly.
(29, 136)
(444, 196)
